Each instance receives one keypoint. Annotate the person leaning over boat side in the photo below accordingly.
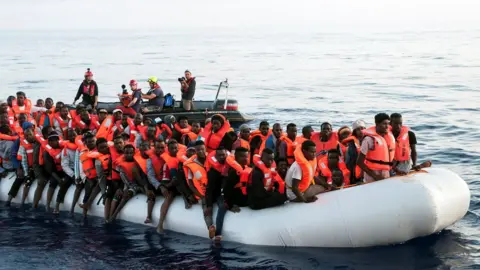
(114, 184)
(300, 179)
(88, 89)
(242, 140)
(377, 150)
(155, 97)
(265, 188)
(325, 140)
(353, 143)
(87, 167)
(187, 87)
(405, 146)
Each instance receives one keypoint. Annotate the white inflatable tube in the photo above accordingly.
(387, 212)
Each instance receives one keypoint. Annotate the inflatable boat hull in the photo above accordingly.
(387, 212)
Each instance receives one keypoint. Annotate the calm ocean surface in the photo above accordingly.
(432, 78)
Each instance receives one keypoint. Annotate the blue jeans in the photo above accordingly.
(222, 210)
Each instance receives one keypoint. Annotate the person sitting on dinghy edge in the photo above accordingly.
(353, 143)
(377, 150)
(300, 179)
(405, 146)
(155, 97)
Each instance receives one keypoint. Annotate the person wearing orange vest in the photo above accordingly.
(300, 179)
(282, 168)
(405, 146)
(216, 166)
(102, 115)
(353, 143)
(275, 143)
(46, 118)
(25, 172)
(7, 150)
(148, 133)
(377, 150)
(114, 183)
(52, 162)
(38, 166)
(155, 164)
(88, 89)
(214, 133)
(325, 140)
(88, 173)
(343, 133)
(60, 121)
(290, 142)
(243, 139)
(101, 159)
(180, 128)
(307, 132)
(265, 188)
(84, 121)
(259, 136)
(235, 187)
(328, 164)
(193, 134)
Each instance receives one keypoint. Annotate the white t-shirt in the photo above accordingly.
(294, 172)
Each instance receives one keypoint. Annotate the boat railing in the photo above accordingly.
(222, 84)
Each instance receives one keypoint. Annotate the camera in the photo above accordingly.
(181, 79)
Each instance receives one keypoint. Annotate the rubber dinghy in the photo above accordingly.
(387, 212)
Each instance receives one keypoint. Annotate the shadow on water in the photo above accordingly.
(72, 242)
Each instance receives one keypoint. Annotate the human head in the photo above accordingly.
(88, 75)
(292, 131)
(326, 130)
(282, 166)
(277, 130)
(117, 115)
(10, 100)
(102, 115)
(188, 74)
(80, 108)
(170, 119)
(217, 122)
(147, 121)
(151, 131)
(133, 85)
(241, 156)
(102, 146)
(264, 127)
(196, 128)
(118, 143)
(53, 140)
(144, 147)
(244, 132)
(138, 119)
(343, 133)
(46, 130)
(124, 119)
(381, 122)
(48, 103)
(172, 147)
(267, 157)
(71, 134)
(183, 121)
(396, 122)
(40, 103)
(59, 105)
(29, 135)
(358, 126)
(64, 112)
(129, 152)
(3, 118)
(21, 98)
(221, 155)
(3, 106)
(159, 147)
(22, 118)
(309, 150)
(190, 152)
(307, 132)
(200, 149)
(152, 81)
(337, 178)
(5, 129)
(333, 157)
(89, 140)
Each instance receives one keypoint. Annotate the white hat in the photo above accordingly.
(358, 123)
(117, 110)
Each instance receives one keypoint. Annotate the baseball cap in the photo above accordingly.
(117, 110)
(358, 124)
(103, 111)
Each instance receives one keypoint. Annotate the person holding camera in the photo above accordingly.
(155, 96)
(188, 90)
(130, 102)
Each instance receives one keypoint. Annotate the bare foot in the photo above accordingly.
(148, 220)
(211, 231)
(56, 211)
(160, 230)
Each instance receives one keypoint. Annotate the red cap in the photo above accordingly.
(133, 82)
(88, 73)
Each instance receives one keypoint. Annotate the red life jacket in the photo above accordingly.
(89, 89)
(270, 175)
(324, 147)
(94, 125)
(115, 155)
(63, 123)
(127, 168)
(182, 130)
(28, 150)
(326, 172)
(56, 154)
(402, 145)
(166, 131)
(26, 108)
(88, 164)
(212, 140)
(157, 163)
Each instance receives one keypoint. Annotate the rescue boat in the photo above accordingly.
(386, 212)
(202, 109)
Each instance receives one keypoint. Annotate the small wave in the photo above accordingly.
(35, 81)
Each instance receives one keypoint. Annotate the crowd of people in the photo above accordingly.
(121, 155)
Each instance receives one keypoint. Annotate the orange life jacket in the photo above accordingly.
(213, 140)
(56, 154)
(104, 160)
(308, 168)
(346, 141)
(79, 142)
(43, 115)
(78, 123)
(11, 117)
(257, 132)
(402, 145)
(191, 136)
(26, 108)
(157, 163)
(114, 156)
(244, 178)
(88, 164)
(134, 131)
(28, 150)
(182, 130)
(5, 137)
(143, 132)
(199, 174)
(326, 172)
(127, 167)
(300, 139)
(104, 130)
(381, 157)
(172, 162)
(125, 99)
(166, 131)
(244, 143)
(324, 147)
(63, 123)
(270, 175)
(291, 146)
(141, 162)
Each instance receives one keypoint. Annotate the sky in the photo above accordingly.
(300, 14)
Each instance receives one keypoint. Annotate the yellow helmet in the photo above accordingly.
(153, 79)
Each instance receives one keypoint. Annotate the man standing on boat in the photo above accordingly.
(155, 96)
(88, 90)
(187, 87)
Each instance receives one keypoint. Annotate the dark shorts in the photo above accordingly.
(112, 187)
